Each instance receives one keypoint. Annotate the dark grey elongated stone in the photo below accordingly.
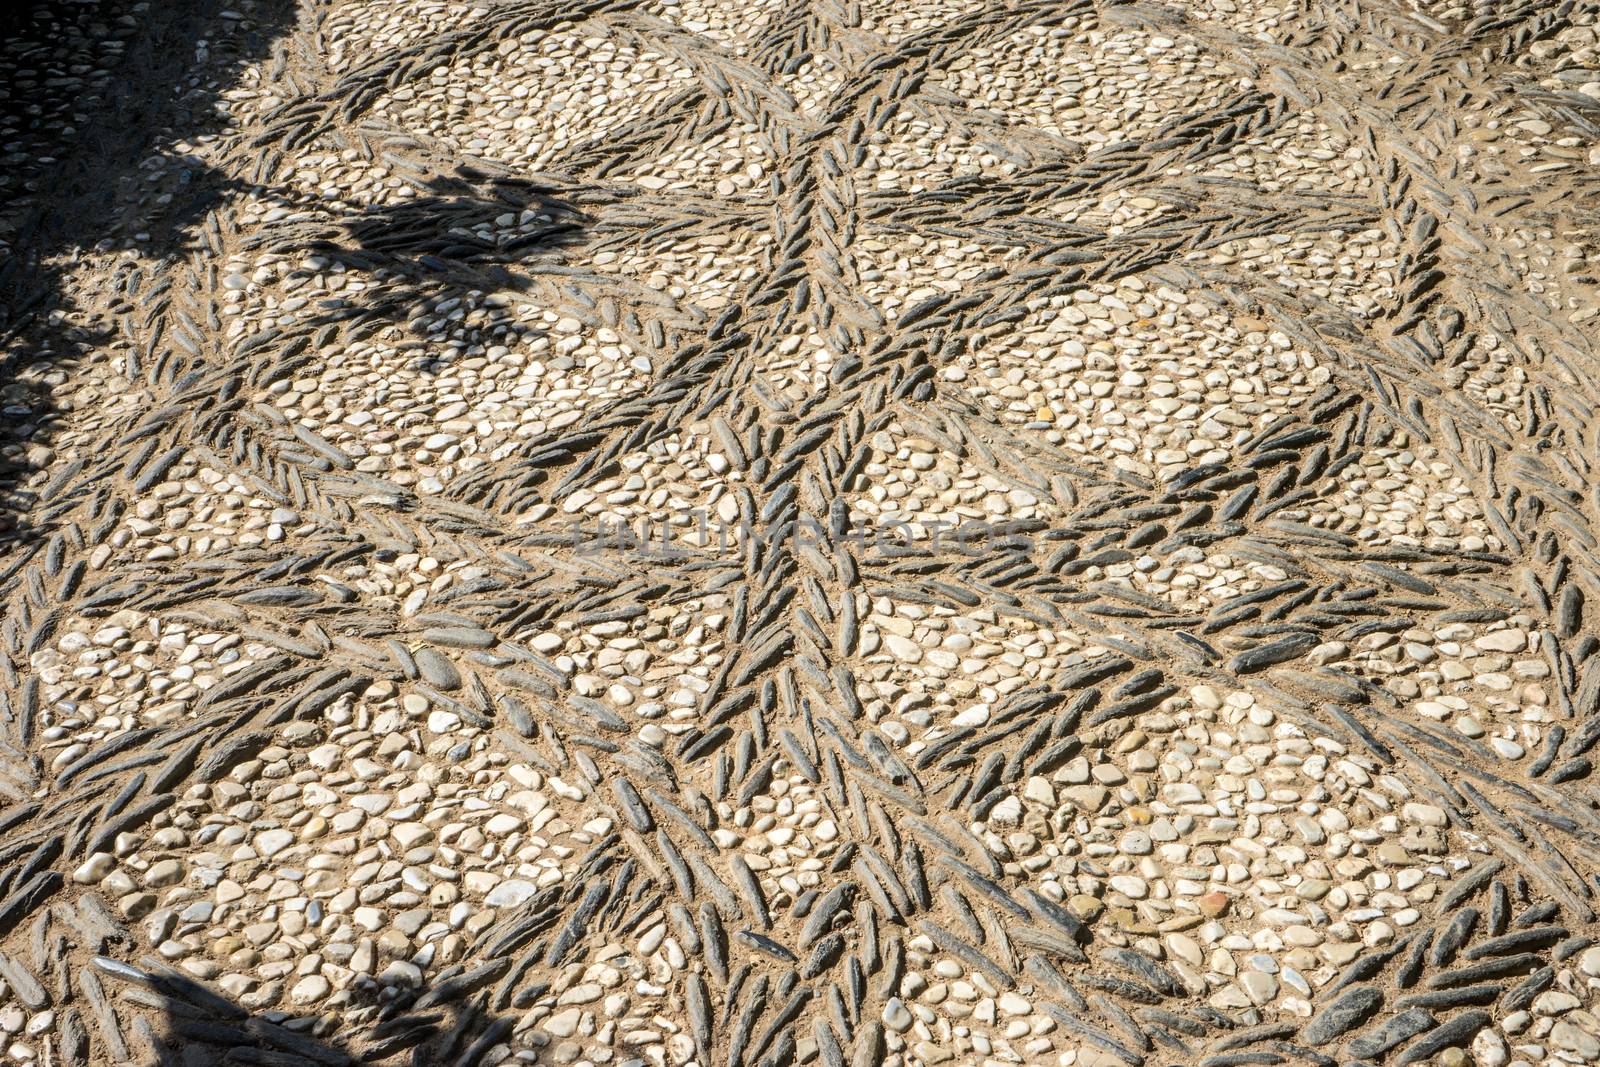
(460, 637)
(1437, 999)
(1254, 1035)
(1453, 936)
(23, 901)
(869, 1046)
(1285, 648)
(633, 805)
(1516, 941)
(437, 670)
(1053, 913)
(104, 1014)
(1094, 1035)
(1391, 1032)
(1047, 975)
(1123, 1021)
(299, 1044)
(699, 1008)
(956, 947)
(762, 943)
(823, 913)
(1497, 967)
(1468, 884)
(73, 1038)
(23, 983)
(1457, 1030)
(281, 596)
(1146, 969)
(1523, 993)
(1363, 968)
(1411, 966)
(1345, 1012)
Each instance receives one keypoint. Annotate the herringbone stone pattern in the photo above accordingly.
(753, 533)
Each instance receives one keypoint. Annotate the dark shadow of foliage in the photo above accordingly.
(164, 1017)
(463, 1017)
(159, 1015)
(94, 97)
(433, 248)
(100, 103)
(101, 163)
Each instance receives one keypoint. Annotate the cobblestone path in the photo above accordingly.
(762, 532)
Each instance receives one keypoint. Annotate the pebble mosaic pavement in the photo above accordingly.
(759, 532)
